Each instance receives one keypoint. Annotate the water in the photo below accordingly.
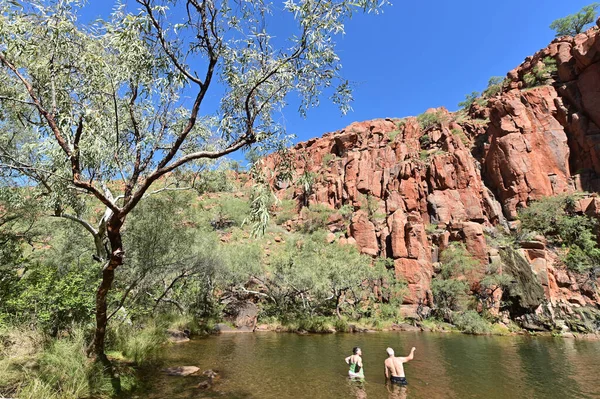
(271, 365)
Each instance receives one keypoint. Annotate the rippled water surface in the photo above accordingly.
(271, 365)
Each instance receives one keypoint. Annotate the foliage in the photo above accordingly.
(574, 24)
(327, 158)
(86, 105)
(494, 88)
(393, 134)
(461, 135)
(556, 218)
(449, 287)
(540, 73)
(428, 120)
(142, 345)
(306, 182)
(492, 281)
(213, 181)
(311, 276)
(261, 200)
(469, 100)
(370, 203)
(315, 218)
(470, 322)
(425, 141)
(65, 372)
(287, 211)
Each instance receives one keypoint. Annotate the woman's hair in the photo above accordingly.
(355, 350)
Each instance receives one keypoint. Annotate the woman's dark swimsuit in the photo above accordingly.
(398, 380)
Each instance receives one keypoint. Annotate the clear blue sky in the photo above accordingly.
(424, 53)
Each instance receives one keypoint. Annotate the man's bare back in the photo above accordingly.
(394, 366)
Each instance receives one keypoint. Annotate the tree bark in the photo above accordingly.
(113, 230)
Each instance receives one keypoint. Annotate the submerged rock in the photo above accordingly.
(181, 371)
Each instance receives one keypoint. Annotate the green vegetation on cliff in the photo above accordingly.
(574, 24)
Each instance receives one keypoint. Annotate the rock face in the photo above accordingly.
(414, 189)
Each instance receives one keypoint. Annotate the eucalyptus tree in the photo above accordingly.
(100, 113)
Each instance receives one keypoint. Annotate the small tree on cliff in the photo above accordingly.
(574, 24)
(120, 101)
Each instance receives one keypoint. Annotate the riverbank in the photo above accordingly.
(333, 325)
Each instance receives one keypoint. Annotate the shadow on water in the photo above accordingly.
(271, 365)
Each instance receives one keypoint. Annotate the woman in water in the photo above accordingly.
(355, 362)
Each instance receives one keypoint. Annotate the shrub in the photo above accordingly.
(469, 100)
(461, 135)
(470, 322)
(287, 211)
(341, 325)
(392, 135)
(494, 88)
(315, 218)
(346, 210)
(425, 141)
(555, 218)
(428, 120)
(448, 291)
(327, 158)
(540, 73)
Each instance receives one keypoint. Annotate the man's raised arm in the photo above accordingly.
(411, 356)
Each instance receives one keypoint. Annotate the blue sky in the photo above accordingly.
(422, 54)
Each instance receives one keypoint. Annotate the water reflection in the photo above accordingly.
(396, 392)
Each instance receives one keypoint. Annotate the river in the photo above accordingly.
(272, 365)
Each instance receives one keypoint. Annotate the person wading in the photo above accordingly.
(356, 365)
(394, 366)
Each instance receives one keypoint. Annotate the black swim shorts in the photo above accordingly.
(399, 380)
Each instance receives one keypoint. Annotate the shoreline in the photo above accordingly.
(223, 328)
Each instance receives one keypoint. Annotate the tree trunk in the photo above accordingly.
(337, 306)
(108, 275)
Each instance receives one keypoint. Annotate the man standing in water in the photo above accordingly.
(394, 366)
(356, 365)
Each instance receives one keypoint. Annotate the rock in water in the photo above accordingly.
(181, 371)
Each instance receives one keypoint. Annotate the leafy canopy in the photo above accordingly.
(574, 24)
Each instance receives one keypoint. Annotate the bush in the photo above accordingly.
(557, 220)
(448, 293)
(327, 158)
(494, 88)
(448, 290)
(428, 120)
(540, 73)
(425, 141)
(315, 218)
(286, 212)
(53, 299)
(470, 322)
(469, 100)
(392, 135)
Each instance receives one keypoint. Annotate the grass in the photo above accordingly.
(140, 345)
(59, 369)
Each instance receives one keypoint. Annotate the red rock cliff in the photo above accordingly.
(412, 190)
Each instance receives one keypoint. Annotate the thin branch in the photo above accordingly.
(17, 100)
(167, 49)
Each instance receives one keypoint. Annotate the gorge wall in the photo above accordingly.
(413, 189)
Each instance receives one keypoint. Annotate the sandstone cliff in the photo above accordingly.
(414, 187)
